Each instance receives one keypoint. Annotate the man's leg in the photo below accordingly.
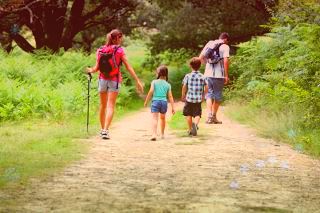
(209, 109)
(217, 93)
(209, 100)
(215, 108)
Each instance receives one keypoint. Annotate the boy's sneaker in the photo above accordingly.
(153, 138)
(105, 134)
(194, 129)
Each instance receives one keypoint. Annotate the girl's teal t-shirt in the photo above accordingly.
(161, 88)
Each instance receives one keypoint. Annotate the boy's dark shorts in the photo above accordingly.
(192, 109)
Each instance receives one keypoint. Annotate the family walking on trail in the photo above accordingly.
(196, 87)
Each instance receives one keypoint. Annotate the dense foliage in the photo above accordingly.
(44, 85)
(279, 73)
(190, 24)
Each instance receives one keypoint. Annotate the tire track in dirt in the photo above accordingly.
(129, 173)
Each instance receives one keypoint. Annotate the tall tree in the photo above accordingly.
(55, 24)
(191, 23)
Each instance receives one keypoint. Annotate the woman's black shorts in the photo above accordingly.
(192, 109)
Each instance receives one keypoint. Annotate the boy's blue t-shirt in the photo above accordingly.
(161, 88)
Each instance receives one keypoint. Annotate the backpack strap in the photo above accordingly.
(115, 63)
(114, 58)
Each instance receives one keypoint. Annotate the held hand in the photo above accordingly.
(173, 111)
(183, 99)
(88, 69)
(203, 98)
(139, 86)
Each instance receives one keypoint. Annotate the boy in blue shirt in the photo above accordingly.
(193, 90)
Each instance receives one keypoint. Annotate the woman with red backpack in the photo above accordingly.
(109, 59)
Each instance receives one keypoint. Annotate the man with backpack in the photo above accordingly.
(215, 54)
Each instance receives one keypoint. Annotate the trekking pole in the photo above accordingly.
(88, 96)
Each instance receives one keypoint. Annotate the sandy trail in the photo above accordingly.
(129, 173)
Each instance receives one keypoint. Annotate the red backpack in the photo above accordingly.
(107, 61)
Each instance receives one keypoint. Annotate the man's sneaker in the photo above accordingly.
(215, 120)
(105, 134)
(194, 129)
(189, 133)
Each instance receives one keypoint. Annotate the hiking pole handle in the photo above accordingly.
(89, 76)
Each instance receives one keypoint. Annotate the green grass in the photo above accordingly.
(278, 125)
(38, 148)
(178, 122)
(136, 52)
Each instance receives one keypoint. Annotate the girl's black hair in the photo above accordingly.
(162, 71)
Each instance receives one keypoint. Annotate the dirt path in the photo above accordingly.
(227, 168)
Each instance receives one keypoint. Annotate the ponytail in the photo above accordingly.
(113, 36)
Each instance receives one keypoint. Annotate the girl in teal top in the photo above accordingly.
(160, 91)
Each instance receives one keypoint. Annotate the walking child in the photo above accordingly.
(193, 90)
(160, 91)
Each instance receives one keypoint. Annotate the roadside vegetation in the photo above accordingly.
(277, 79)
(43, 106)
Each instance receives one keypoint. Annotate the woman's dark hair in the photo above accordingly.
(113, 36)
(162, 71)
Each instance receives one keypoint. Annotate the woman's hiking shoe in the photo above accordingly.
(194, 129)
(105, 134)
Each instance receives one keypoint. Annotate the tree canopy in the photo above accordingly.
(188, 24)
(175, 24)
(56, 24)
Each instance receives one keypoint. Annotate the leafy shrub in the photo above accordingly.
(280, 72)
(45, 85)
(177, 62)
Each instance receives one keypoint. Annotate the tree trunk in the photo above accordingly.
(74, 25)
(54, 17)
(23, 43)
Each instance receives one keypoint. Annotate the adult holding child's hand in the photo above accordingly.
(110, 57)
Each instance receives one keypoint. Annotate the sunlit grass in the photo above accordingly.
(33, 147)
(279, 125)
